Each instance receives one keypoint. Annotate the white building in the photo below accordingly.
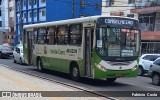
(118, 8)
(4, 10)
(3, 18)
(1, 32)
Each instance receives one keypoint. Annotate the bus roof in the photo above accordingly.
(70, 21)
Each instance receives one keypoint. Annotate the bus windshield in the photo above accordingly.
(118, 42)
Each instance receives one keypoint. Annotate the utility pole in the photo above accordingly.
(73, 9)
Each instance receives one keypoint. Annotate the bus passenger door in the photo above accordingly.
(30, 46)
(88, 50)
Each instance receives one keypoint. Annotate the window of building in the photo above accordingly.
(97, 6)
(10, 9)
(75, 35)
(130, 15)
(30, 14)
(62, 35)
(131, 1)
(34, 2)
(82, 4)
(24, 14)
(43, 1)
(24, 3)
(30, 2)
(12, 29)
(18, 5)
(43, 12)
(35, 13)
(111, 2)
(10, 18)
(147, 21)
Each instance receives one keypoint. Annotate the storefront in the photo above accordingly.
(150, 47)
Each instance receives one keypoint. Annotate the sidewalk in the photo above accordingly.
(15, 81)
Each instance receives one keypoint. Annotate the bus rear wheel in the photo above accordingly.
(110, 80)
(40, 65)
(75, 75)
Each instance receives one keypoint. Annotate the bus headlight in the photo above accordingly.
(134, 68)
(101, 67)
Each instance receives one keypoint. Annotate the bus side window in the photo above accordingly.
(51, 35)
(75, 34)
(62, 35)
(41, 35)
(35, 36)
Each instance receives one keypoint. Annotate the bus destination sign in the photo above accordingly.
(119, 21)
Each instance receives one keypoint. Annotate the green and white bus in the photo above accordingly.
(94, 47)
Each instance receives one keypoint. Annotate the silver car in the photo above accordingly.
(154, 72)
(5, 52)
(18, 55)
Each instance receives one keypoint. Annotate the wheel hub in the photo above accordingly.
(75, 72)
(155, 79)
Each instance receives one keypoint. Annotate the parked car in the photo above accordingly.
(5, 52)
(8, 45)
(145, 61)
(18, 55)
(154, 72)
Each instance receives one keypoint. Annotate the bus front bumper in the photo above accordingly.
(115, 73)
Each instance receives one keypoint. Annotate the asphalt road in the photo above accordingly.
(140, 83)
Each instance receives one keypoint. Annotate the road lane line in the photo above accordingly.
(128, 83)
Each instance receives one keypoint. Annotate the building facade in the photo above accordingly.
(147, 12)
(9, 36)
(118, 8)
(37, 11)
(4, 18)
(149, 18)
(1, 32)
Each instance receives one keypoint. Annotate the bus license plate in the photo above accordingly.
(119, 75)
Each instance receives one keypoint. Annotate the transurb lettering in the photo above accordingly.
(118, 22)
(57, 52)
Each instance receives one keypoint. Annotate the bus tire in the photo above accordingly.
(20, 61)
(14, 61)
(40, 65)
(75, 75)
(0, 54)
(110, 80)
(140, 71)
(156, 79)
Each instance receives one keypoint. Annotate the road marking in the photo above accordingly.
(128, 83)
(153, 88)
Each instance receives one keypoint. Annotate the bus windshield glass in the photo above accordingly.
(118, 42)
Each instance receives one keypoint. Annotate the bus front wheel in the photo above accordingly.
(40, 65)
(75, 75)
(110, 79)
